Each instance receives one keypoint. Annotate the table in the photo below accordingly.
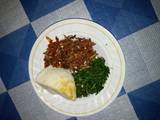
(134, 23)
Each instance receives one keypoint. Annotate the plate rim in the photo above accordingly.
(122, 59)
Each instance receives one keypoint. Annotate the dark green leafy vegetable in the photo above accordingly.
(91, 80)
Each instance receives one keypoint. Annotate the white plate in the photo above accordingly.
(106, 45)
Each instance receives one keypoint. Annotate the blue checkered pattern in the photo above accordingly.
(134, 23)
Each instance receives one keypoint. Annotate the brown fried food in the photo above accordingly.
(71, 52)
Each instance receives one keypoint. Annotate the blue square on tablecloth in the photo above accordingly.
(38, 8)
(7, 65)
(140, 7)
(146, 101)
(29, 40)
(14, 53)
(20, 74)
(124, 18)
(12, 43)
(13, 70)
(7, 108)
(127, 23)
(102, 12)
(19, 42)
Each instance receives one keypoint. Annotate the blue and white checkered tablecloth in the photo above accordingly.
(134, 23)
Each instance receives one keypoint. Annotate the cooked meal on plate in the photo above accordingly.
(72, 68)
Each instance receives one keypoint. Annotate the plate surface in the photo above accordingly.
(106, 46)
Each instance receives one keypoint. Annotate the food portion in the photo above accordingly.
(71, 52)
(91, 80)
(73, 68)
(59, 80)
